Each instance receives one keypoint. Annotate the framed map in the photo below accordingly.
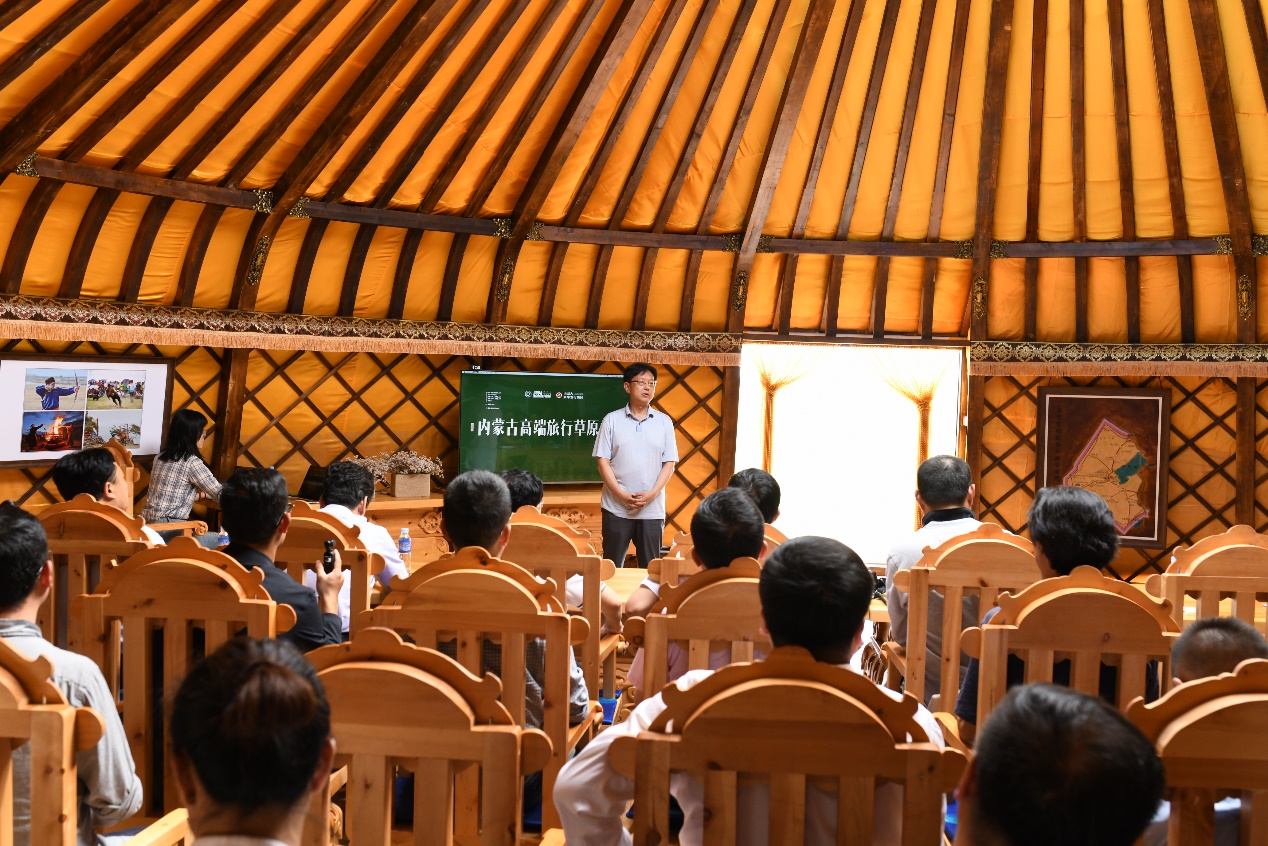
(1113, 442)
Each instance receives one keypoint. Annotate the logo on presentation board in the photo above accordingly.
(559, 394)
(528, 394)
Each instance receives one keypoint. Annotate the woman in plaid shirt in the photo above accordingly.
(179, 474)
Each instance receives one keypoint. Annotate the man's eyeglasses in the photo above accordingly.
(285, 511)
(643, 384)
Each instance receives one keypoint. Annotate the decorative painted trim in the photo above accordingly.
(26, 167)
(997, 358)
(739, 291)
(263, 201)
(112, 322)
(1245, 297)
(300, 209)
(979, 298)
(964, 249)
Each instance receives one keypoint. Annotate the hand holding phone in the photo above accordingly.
(328, 557)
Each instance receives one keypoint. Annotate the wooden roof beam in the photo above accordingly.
(15, 9)
(804, 60)
(1078, 164)
(988, 163)
(1126, 188)
(611, 51)
(666, 206)
(937, 203)
(43, 41)
(1171, 154)
(1034, 176)
(560, 60)
(770, 38)
(86, 76)
(1228, 152)
(402, 44)
(788, 273)
(836, 272)
(594, 170)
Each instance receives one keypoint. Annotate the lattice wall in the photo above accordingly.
(195, 384)
(310, 408)
(1202, 486)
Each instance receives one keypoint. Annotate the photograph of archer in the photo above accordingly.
(46, 389)
(52, 431)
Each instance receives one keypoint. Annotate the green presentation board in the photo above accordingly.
(542, 422)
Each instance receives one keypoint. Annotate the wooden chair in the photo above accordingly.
(551, 553)
(170, 589)
(131, 475)
(788, 721)
(978, 564)
(85, 538)
(392, 705)
(1229, 566)
(680, 545)
(1212, 736)
(1084, 616)
(581, 539)
(711, 609)
(306, 543)
(472, 596)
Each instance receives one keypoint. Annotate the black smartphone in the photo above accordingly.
(328, 557)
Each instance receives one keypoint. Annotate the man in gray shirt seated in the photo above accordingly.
(944, 494)
(109, 790)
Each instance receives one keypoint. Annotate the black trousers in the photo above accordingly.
(619, 531)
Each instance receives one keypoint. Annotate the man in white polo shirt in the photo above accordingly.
(636, 451)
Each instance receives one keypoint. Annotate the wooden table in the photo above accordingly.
(577, 505)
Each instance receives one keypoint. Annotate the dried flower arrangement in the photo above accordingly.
(401, 463)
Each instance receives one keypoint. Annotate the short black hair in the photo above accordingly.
(762, 487)
(87, 471)
(23, 553)
(345, 483)
(727, 526)
(815, 593)
(252, 503)
(1054, 767)
(1215, 645)
(525, 488)
(477, 508)
(49, 379)
(635, 370)
(944, 481)
(252, 718)
(1074, 526)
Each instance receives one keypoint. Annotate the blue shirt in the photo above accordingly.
(636, 449)
(51, 398)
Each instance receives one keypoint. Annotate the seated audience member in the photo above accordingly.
(250, 744)
(346, 492)
(94, 472)
(815, 594)
(945, 495)
(256, 512)
(109, 790)
(1206, 648)
(1070, 527)
(726, 526)
(477, 512)
(762, 487)
(1053, 767)
(526, 489)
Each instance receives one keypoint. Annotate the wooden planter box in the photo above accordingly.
(411, 485)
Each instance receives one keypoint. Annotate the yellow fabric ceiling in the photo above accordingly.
(53, 66)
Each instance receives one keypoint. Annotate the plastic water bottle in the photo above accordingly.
(223, 540)
(405, 546)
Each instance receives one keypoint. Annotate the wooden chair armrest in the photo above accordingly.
(951, 731)
(896, 659)
(553, 837)
(534, 751)
(185, 527)
(585, 728)
(609, 644)
(171, 830)
(634, 630)
(338, 779)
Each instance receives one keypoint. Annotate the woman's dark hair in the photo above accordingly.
(183, 432)
(252, 719)
(1074, 526)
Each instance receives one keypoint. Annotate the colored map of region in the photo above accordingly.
(1110, 465)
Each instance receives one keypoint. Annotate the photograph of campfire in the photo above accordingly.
(52, 431)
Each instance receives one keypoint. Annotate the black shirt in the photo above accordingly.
(312, 628)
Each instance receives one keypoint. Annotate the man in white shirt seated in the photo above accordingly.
(109, 790)
(944, 494)
(815, 594)
(1206, 648)
(526, 489)
(346, 492)
(1053, 767)
(93, 471)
